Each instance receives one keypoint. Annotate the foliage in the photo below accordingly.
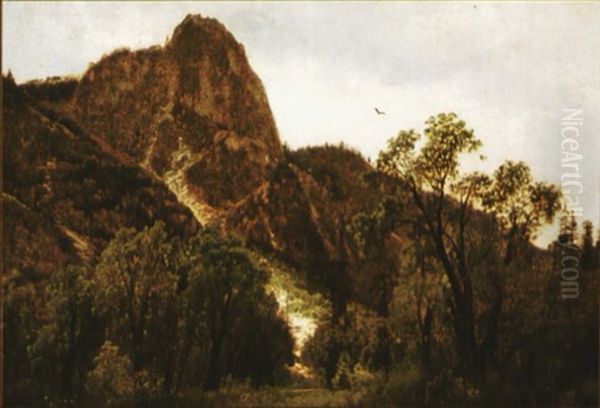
(229, 290)
(69, 335)
(207, 292)
(423, 280)
(338, 350)
(375, 270)
(111, 380)
(323, 351)
(135, 281)
(71, 196)
(53, 89)
(338, 169)
(514, 208)
(20, 305)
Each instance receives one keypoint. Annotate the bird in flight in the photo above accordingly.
(379, 112)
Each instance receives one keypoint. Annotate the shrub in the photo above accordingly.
(111, 381)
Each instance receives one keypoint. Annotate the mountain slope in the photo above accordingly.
(192, 112)
(64, 197)
(193, 116)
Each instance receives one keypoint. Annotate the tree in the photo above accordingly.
(227, 285)
(20, 303)
(324, 348)
(418, 301)
(68, 340)
(589, 259)
(135, 281)
(111, 380)
(446, 202)
(261, 344)
(376, 274)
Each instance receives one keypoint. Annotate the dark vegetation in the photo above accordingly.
(55, 173)
(149, 321)
(114, 295)
(464, 309)
(85, 321)
(339, 169)
(53, 89)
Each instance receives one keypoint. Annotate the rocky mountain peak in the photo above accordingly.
(187, 112)
(201, 31)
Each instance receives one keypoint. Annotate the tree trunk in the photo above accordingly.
(213, 378)
(425, 326)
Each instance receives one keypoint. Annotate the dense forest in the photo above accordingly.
(161, 249)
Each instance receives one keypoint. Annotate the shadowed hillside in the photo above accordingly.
(65, 194)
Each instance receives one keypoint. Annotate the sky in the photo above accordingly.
(507, 69)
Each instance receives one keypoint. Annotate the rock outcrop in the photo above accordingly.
(192, 112)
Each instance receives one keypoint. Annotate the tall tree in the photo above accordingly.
(446, 202)
(228, 285)
(21, 300)
(67, 342)
(588, 253)
(376, 275)
(134, 280)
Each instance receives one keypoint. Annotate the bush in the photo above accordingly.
(111, 381)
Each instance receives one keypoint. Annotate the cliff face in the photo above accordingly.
(192, 112)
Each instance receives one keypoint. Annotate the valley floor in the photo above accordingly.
(282, 397)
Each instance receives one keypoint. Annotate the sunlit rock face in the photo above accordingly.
(192, 112)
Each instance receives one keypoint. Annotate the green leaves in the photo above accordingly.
(111, 380)
(437, 161)
(447, 137)
(546, 200)
(135, 267)
(469, 223)
(398, 158)
(519, 203)
(229, 277)
(69, 335)
(472, 187)
(511, 195)
(369, 230)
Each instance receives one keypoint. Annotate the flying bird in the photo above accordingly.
(379, 112)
